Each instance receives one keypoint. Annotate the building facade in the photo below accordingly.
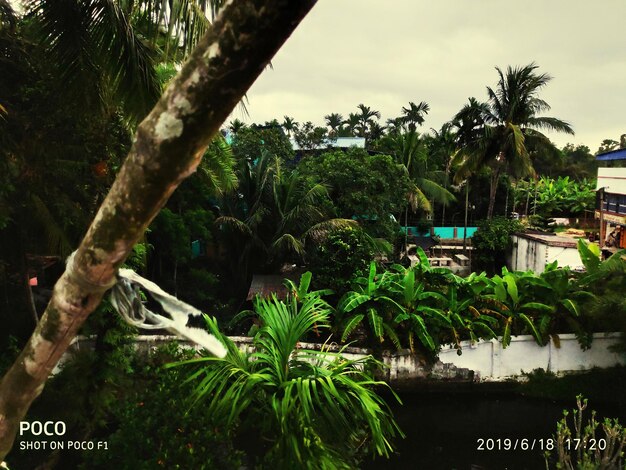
(611, 202)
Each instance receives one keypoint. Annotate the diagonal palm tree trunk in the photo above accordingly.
(166, 149)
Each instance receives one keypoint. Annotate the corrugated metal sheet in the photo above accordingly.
(619, 154)
(338, 143)
(267, 284)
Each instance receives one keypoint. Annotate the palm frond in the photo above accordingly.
(320, 231)
(289, 244)
(94, 40)
(217, 166)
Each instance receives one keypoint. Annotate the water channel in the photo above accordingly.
(444, 430)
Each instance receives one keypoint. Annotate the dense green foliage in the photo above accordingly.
(129, 400)
(424, 308)
(315, 409)
(153, 428)
(340, 257)
(249, 143)
(273, 218)
(560, 197)
(491, 241)
(367, 188)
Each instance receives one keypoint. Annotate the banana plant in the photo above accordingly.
(513, 307)
(558, 287)
(596, 269)
(433, 277)
(419, 310)
(301, 291)
(465, 319)
(370, 304)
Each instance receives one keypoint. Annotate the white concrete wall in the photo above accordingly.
(488, 360)
(565, 256)
(613, 179)
(491, 362)
(527, 254)
(531, 254)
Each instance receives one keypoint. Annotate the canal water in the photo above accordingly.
(468, 431)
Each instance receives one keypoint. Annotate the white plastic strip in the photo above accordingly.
(126, 299)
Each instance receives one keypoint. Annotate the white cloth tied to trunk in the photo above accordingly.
(126, 298)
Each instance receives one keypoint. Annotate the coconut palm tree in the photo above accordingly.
(236, 125)
(410, 150)
(115, 46)
(504, 132)
(313, 409)
(442, 146)
(413, 116)
(272, 216)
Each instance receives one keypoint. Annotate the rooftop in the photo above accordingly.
(619, 154)
(550, 239)
(338, 143)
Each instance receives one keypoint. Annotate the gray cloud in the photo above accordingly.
(385, 54)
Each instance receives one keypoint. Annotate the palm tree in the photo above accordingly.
(115, 45)
(334, 121)
(236, 125)
(504, 132)
(376, 131)
(410, 150)
(353, 124)
(314, 408)
(366, 118)
(272, 216)
(395, 125)
(413, 116)
(442, 146)
(412, 153)
(290, 125)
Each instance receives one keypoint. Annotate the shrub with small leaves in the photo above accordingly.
(582, 446)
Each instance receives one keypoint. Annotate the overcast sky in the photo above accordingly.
(385, 54)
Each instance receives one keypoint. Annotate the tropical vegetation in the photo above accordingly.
(76, 79)
(503, 133)
(315, 409)
(423, 308)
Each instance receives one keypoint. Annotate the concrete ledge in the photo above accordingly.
(483, 361)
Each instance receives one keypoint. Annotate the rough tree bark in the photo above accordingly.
(166, 149)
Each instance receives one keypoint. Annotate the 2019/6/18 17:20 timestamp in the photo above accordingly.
(524, 444)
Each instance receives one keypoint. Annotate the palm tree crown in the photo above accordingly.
(334, 121)
(413, 116)
(366, 118)
(504, 132)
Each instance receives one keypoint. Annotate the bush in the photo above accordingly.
(342, 257)
(491, 241)
(155, 429)
(581, 445)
